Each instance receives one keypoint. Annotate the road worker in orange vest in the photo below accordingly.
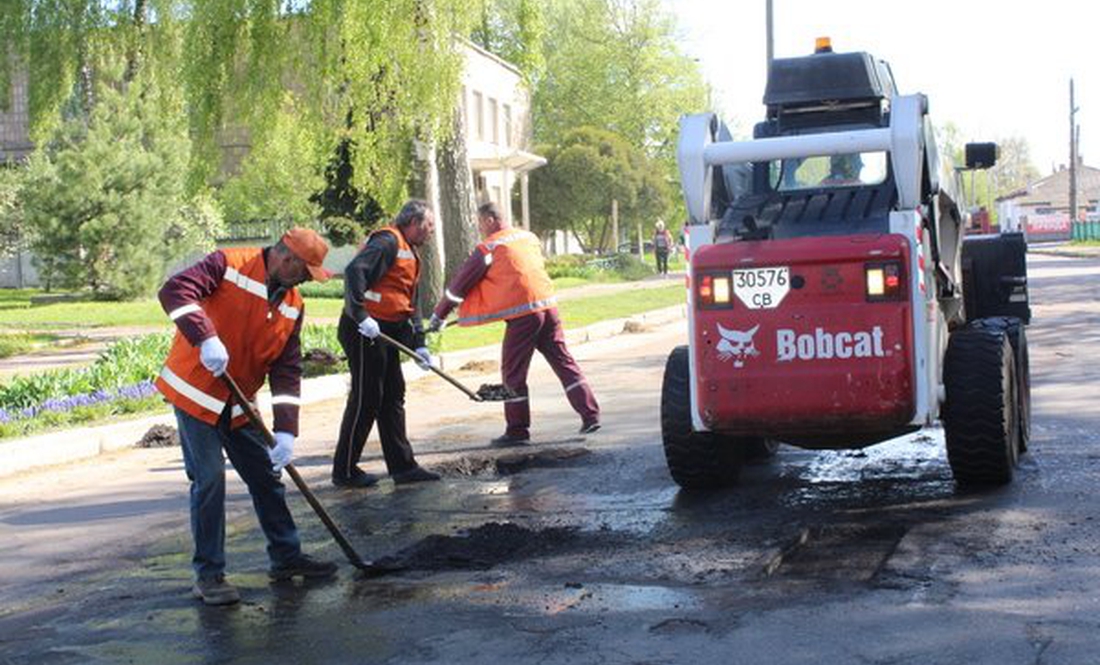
(238, 310)
(380, 295)
(504, 279)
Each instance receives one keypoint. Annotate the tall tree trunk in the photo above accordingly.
(137, 46)
(457, 203)
(425, 185)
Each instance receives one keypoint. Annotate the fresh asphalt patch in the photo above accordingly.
(484, 547)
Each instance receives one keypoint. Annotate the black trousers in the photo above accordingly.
(377, 395)
(662, 261)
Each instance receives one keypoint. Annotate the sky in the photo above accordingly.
(995, 69)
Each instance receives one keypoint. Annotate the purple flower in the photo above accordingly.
(137, 391)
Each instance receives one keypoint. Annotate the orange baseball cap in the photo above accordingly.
(309, 246)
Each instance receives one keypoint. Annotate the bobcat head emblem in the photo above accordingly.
(737, 345)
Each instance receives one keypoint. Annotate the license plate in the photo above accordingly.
(762, 288)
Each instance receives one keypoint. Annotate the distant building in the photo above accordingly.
(1041, 210)
(496, 108)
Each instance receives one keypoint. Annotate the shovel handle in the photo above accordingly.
(253, 417)
(447, 377)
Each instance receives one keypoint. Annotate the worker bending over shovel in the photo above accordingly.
(380, 296)
(238, 310)
(505, 279)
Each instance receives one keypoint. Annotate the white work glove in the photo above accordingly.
(283, 452)
(213, 356)
(436, 324)
(368, 328)
(425, 357)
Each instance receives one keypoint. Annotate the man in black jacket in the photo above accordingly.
(380, 295)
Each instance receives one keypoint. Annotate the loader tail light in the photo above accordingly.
(884, 281)
(714, 290)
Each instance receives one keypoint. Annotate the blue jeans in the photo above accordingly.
(202, 457)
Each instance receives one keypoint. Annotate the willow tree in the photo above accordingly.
(375, 73)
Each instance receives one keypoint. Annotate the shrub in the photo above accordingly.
(344, 231)
(570, 265)
(334, 288)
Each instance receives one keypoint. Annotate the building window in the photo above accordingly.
(479, 116)
(507, 126)
(493, 121)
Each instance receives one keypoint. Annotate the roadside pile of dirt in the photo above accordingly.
(159, 436)
(480, 366)
(321, 362)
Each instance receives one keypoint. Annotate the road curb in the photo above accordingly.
(70, 445)
(1067, 252)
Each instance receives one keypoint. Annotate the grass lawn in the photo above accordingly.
(17, 313)
(575, 313)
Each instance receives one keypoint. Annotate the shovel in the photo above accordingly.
(368, 568)
(488, 392)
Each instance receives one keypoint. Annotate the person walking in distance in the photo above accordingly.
(380, 296)
(662, 245)
(505, 279)
(238, 311)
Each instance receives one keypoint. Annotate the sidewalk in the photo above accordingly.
(63, 446)
(1066, 250)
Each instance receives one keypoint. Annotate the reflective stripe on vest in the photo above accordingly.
(510, 313)
(515, 284)
(391, 297)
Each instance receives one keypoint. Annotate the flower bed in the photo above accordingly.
(119, 382)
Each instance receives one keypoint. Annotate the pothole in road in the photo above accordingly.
(483, 547)
(839, 552)
(504, 464)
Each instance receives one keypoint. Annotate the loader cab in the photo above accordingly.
(842, 194)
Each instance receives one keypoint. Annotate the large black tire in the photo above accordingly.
(981, 416)
(1015, 329)
(696, 460)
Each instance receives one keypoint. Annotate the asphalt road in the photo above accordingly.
(582, 550)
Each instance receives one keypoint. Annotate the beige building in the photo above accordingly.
(496, 107)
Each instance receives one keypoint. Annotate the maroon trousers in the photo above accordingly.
(541, 331)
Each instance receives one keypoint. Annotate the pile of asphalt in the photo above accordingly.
(482, 548)
(159, 436)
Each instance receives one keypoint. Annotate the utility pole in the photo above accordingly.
(770, 27)
(1072, 157)
(614, 226)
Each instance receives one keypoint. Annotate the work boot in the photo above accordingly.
(588, 428)
(215, 591)
(357, 480)
(507, 440)
(302, 566)
(417, 474)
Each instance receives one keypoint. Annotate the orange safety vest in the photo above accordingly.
(254, 334)
(515, 284)
(391, 297)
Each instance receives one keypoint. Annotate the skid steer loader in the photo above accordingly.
(833, 299)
